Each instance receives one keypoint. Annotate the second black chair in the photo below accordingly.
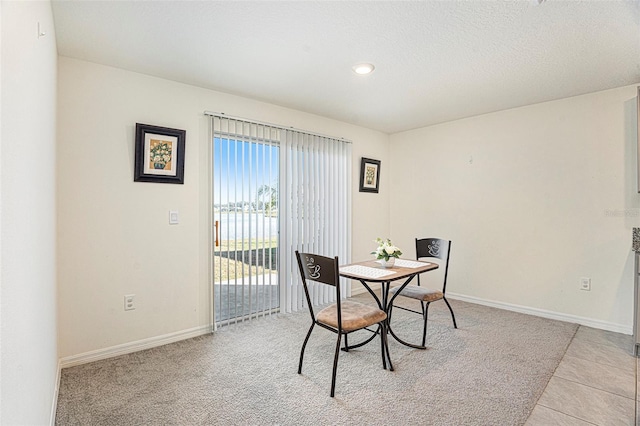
(342, 317)
(427, 248)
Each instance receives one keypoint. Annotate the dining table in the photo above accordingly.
(372, 272)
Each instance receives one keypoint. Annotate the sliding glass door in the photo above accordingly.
(245, 205)
(275, 190)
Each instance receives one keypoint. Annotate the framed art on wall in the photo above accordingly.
(159, 154)
(369, 175)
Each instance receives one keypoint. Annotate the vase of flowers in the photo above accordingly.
(160, 154)
(386, 253)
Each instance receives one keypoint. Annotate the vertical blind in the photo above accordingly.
(314, 201)
(315, 174)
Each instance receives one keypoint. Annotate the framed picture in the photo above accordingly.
(159, 154)
(369, 175)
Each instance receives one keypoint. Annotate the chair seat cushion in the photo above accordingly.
(420, 293)
(354, 315)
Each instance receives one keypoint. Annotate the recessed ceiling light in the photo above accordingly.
(363, 69)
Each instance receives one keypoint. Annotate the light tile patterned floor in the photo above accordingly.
(595, 384)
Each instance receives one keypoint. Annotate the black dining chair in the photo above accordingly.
(342, 317)
(426, 248)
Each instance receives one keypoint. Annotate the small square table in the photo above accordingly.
(372, 272)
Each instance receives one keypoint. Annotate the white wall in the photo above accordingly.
(28, 361)
(533, 199)
(114, 236)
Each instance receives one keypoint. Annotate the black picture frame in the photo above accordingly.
(159, 154)
(369, 175)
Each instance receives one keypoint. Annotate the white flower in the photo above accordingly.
(386, 249)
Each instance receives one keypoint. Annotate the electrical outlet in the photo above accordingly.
(585, 284)
(173, 217)
(129, 302)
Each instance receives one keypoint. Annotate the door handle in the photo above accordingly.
(217, 240)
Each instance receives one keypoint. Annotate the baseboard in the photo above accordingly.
(357, 288)
(54, 404)
(131, 347)
(589, 322)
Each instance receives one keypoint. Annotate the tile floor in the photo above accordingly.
(595, 384)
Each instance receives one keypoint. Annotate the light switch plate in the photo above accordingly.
(173, 217)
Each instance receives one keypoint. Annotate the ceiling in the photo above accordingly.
(436, 61)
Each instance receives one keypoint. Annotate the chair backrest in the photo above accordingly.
(434, 248)
(323, 270)
(319, 268)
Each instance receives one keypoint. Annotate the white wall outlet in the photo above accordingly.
(585, 284)
(173, 217)
(129, 302)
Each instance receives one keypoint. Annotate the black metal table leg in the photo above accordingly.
(411, 345)
(389, 310)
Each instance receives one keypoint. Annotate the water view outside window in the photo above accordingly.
(245, 194)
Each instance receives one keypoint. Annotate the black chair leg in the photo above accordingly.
(383, 336)
(304, 345)
(335, 366)
(451, 310)
(346, 343)
(381, 330)
(426, 317)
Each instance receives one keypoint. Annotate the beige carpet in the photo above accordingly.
(490, 371)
